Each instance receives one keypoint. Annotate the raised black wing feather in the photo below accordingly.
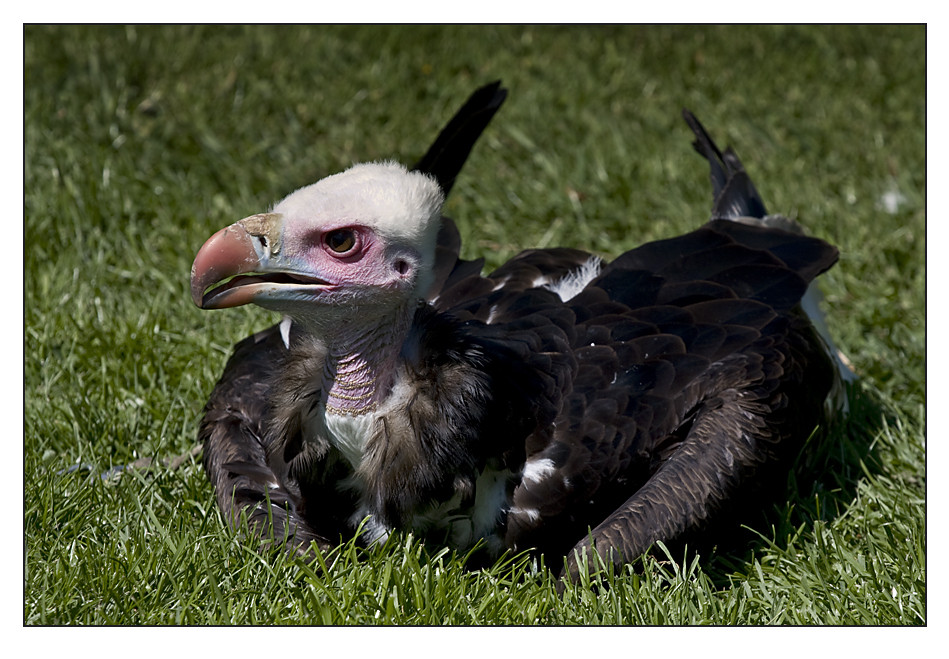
(734, 193)
(445, 158)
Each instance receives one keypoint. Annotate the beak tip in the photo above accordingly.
(196, 296)
(228, 252)
(197, 291)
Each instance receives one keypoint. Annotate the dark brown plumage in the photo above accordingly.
(555, 404)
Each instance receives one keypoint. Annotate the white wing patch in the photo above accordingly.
(537, 470)
(575, 281)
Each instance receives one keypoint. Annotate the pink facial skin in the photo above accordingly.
(261, 260)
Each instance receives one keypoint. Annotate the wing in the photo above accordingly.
(687, 352)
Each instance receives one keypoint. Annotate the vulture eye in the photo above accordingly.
(340, 240)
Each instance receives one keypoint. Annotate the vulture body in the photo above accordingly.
(559, 403)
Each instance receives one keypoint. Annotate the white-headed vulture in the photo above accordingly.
(557, 402)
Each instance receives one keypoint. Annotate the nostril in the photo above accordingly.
(402, 267)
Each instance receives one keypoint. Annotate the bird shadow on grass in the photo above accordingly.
(821, 486)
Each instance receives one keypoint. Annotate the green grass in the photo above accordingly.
(140, 142)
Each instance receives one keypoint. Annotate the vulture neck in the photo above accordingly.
(361, 363)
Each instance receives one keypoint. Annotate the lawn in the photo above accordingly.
(142, 141)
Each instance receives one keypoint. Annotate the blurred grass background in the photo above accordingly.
(141, 141)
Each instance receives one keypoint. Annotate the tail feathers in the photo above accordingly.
(735, 195)
(447, 155)
(737, 199)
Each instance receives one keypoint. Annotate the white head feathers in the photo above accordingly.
(393, 201)
(402, 207)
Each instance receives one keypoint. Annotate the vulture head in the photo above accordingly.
(355, 248)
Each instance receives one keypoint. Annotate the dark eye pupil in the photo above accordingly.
(341, 240)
